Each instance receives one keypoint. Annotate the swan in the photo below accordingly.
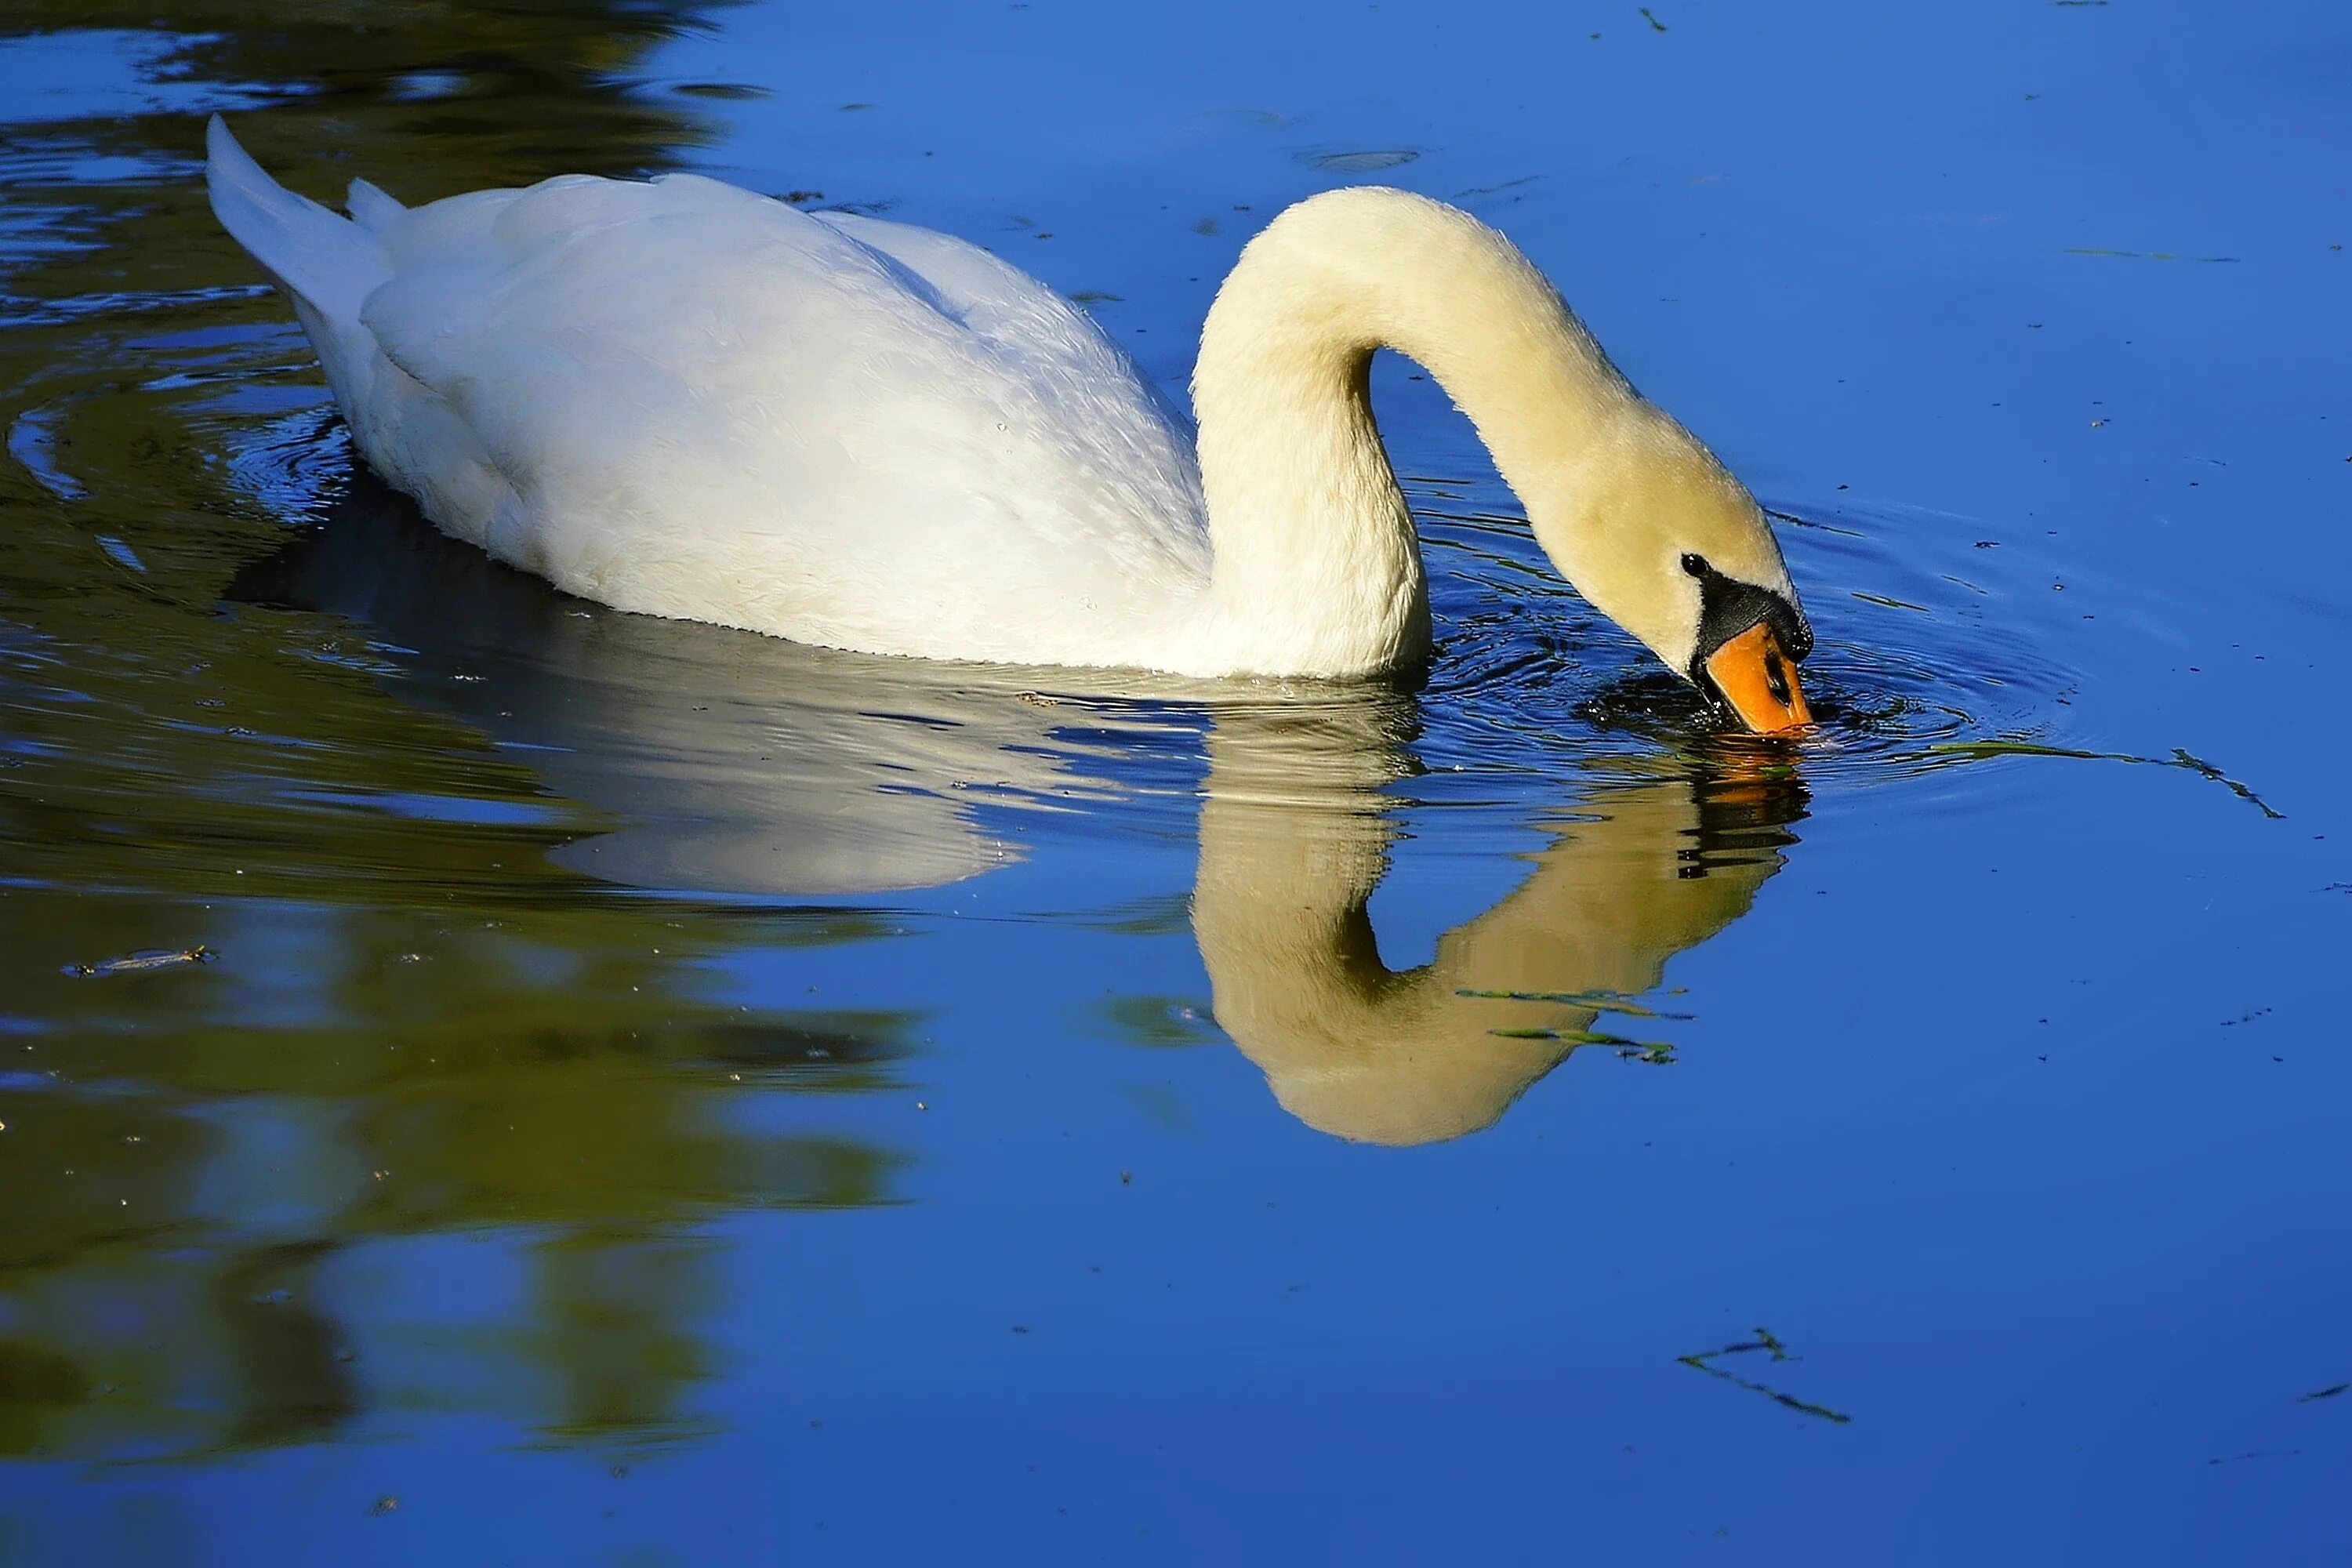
(684, 399)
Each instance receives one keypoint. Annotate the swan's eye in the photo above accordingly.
(1695, 565)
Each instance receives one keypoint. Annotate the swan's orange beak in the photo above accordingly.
(1759, 681)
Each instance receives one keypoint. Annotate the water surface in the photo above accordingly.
(490, 1076)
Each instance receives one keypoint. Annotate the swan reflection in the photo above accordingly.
(726, 763)
(1295, 837)
(756, 766)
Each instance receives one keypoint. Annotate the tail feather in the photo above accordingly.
(326, 262)
(370, 208)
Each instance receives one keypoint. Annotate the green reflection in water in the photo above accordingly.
(424, 1052)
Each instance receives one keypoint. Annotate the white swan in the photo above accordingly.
(687, 400)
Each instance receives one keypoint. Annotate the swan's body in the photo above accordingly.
(687, 400)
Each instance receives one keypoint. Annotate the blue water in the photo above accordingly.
(652, 1095)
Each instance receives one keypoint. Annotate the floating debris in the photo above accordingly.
(1366, 163)
(1581, 1036)
(1654, 1051)
(1629, 1050)
(1793, 520)
(1599, 1001)
(2204, 769)
(2319, 1393)
(137, 962)
(1507, 184)
(2144, 255)
(1976, 750)
(1764, 1341)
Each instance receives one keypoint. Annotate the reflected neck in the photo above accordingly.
(1318, 571)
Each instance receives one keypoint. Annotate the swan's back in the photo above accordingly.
(681, 398)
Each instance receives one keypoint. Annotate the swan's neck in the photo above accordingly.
(1317, 570)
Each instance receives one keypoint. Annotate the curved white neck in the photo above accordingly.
(1304, 512)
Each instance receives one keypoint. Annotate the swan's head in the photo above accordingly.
(1658, 535)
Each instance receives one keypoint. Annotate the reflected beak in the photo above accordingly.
(1759, 681)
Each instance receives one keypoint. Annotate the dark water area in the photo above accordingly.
(487, 1078)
